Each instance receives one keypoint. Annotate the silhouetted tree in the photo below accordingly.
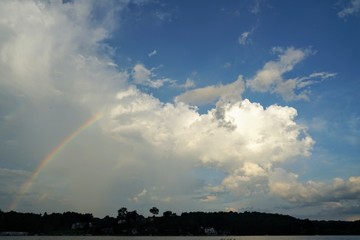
(122, 213)
(168, 214)
(192, 223)
(154, 211)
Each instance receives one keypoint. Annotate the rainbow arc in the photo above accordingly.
(29, 182)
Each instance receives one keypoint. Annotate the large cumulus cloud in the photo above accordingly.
(244, 142)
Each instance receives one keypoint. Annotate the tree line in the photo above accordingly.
(170, 224)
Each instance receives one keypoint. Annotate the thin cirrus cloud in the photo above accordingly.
(143, 151)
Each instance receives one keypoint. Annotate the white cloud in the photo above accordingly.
(271, 74)
(153, 53)
(322, 75)
(209, 198)
(189, 83)
(270, 77)
(244, 141)
(211, 94)
(231, 209)
(264, 145)
(252, 169)
(137, 198)
(243, 39)
(286, 185)
(143, 76)
(37, 51)
(352, 9)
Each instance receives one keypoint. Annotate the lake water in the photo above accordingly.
(180, 238)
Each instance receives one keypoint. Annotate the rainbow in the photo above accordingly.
(29, 182)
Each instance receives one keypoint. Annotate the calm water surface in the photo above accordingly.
(180, 238)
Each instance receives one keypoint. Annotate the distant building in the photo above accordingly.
(210, 231)
(134, 231)
(121, 221)
(78, 225)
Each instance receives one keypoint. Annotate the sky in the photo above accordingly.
(213, 105)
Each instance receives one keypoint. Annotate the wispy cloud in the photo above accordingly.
(189, 83)
(243, 39)
(270, 77)
(163, 16)
(227, 65)
(209, 198)
(140, 195)
(144, 76)
(351, 9)
(153, 53)
(255, 8)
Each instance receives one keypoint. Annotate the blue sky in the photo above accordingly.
(203, 105)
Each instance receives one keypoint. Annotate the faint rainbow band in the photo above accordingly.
(29, 182)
